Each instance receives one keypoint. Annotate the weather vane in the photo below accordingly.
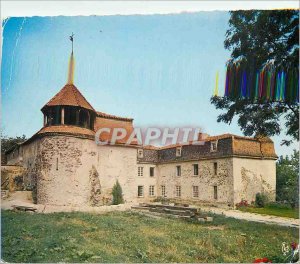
(72, 40)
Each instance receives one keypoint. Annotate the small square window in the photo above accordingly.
(151, 171)
(213, 146)
(178, 152)
(178, 191)
(163, 191)
(178, 170)
(196, 169)
(195, 191)
(140, 191)
(140, 153)
(151, 190)
(140, 171)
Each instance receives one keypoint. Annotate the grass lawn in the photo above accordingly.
(283, 212)
(130, 237)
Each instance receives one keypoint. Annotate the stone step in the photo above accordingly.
(171, 207)
(140, 208)
(173, 212)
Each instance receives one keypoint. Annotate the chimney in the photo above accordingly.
(202, 136)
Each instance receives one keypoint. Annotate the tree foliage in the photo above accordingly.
(257, 38)
(117, 194)
(287, 179)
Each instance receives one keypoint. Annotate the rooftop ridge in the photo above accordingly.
(109, 116)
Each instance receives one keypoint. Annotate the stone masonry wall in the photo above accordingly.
(253, 176)
(65, 167)
(205, 180)
(8, 174)
(74, 171)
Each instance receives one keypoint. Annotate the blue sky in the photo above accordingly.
(158, 69)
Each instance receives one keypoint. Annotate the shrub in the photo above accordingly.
(261, 200)
(242, 203)
(117, 194)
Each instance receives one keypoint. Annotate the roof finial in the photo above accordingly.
(71, 63)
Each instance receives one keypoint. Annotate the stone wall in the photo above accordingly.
(146, 181)
(253, 176)
(64, 169)
(8, 175)
(205, 180)
(74, 171)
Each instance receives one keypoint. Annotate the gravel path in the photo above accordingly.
(22, 198)
(267, 219)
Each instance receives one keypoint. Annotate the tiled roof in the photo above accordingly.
(227, 135)
(69, 95)
(76, 131)
(104, 115)
(67, 129)
(112, 123)
(150, 147)
(228, 146)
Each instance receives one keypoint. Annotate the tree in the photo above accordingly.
(8, 143)
(117, 194)
(287, 179)
(256, 38)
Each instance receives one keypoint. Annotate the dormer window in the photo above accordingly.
(178, 152)
(140, 153)
(213, 146)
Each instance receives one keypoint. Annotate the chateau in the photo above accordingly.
(66, 167)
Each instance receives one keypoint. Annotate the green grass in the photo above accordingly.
(130, 237)
(272, 210)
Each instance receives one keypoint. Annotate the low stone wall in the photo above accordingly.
(8, 175)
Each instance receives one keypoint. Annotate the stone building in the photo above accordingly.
(67, 167)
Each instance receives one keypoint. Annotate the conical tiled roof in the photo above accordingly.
(69, 95)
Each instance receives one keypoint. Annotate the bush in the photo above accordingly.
(261, 200)
(242, 203)
(117, 194)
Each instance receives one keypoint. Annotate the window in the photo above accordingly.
(140, 153)
(140, 171)
(56, 163)
(151, 171)
(178, 170)
(215, 168)
(163, 191)
(196, 169)
(151, 190)
(216, 192)
(140, 191)
(195, 191)
(178, 191)
(178, 152)
(213, 146)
